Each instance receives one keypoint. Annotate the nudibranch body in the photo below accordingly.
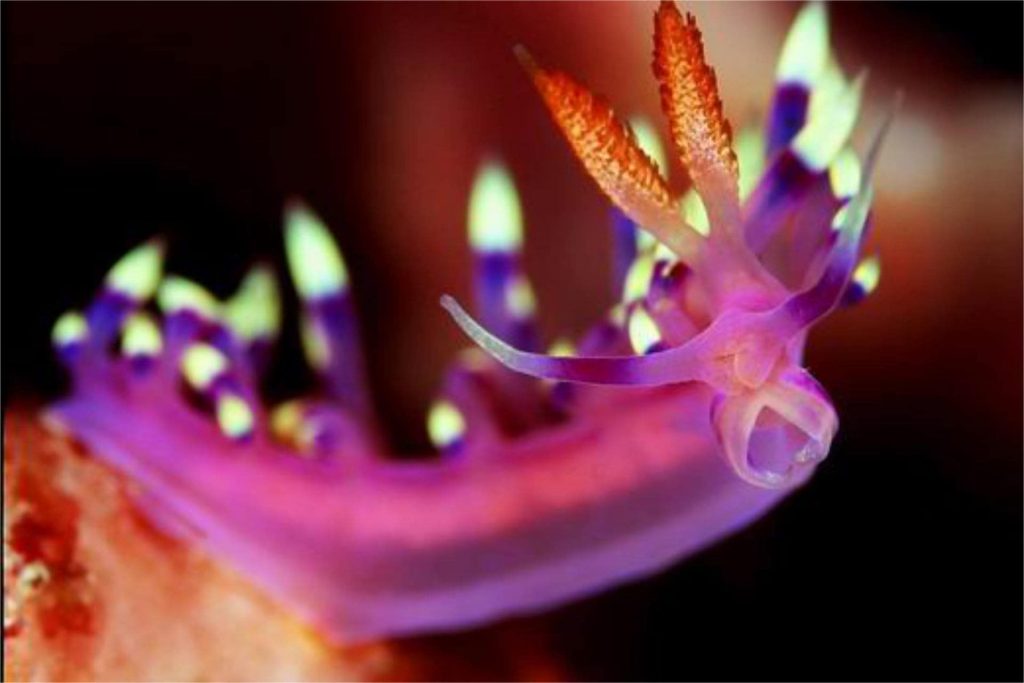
(679, 418)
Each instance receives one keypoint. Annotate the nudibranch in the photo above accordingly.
(560, 471)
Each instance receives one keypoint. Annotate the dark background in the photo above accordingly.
(903, 559)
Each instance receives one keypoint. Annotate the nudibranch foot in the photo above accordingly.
(372, 548)
(681, 416)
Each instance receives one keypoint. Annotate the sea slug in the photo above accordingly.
(679, 418)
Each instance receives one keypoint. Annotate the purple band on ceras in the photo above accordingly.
(496, 275)
(332, 318)
(787, 116)
(624, 248)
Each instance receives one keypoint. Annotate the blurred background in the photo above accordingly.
(903, 558)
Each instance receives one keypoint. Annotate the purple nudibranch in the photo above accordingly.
(681, 417)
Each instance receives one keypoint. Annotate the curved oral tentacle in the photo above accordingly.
(693, 361)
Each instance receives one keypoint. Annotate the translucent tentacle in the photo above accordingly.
(737, 350)
(674, 365)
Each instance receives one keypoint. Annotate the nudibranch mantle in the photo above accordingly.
(678, 419)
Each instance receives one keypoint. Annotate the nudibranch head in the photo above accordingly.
(541, 491)
(765, 254)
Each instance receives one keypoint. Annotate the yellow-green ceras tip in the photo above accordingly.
(650, 142)
(445, 424)
(314, 260)
(806, 48)
(867, 274)
(234, 416)
(831, 118)
(254, 312)
(177, 294)
(692, 207)
(137, 274)
(141, 336)
(844, 174)
(562, 348)
(519, 299)
(495, 218)
(643, 331)
(638, 278)
(201, 364)
(70, 328)
(315, 345)
(749, 147)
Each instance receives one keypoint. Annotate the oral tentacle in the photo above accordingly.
(708, 357)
